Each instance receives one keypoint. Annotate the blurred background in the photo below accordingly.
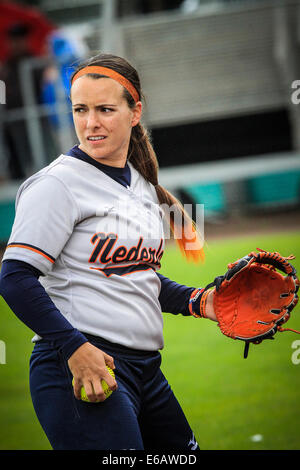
(221, 84)
(221, 81)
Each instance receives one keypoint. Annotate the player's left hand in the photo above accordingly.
(209, 307)
(253, 299)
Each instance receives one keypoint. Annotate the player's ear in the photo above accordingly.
(136, 113)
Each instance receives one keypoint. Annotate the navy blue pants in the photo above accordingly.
(142, 414)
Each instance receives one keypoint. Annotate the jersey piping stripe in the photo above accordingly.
(32, 248)
(123, 271)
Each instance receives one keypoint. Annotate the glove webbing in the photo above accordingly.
(278, 328)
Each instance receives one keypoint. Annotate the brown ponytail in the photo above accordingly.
(142, 156)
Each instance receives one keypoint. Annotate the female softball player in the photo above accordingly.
(80, 270)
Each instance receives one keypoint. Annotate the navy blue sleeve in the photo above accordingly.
(27, 298)
(174, 298)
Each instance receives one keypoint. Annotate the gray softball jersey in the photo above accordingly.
(98, 245)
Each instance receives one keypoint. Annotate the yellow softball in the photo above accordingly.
(107, 391)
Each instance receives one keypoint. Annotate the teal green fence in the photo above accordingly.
(275, 190)
(7, 214)
(210, 195)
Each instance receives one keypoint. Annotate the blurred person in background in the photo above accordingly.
(15, 134)
(65, 51)
(23, 33)
(12, 13)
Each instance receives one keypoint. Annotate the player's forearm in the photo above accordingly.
(174, 297)
(27, 298)
(177, 298)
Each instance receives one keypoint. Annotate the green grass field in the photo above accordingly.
(227, 399)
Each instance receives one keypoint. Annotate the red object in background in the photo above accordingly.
(40, 27)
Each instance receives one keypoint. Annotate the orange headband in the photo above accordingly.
(111, 74)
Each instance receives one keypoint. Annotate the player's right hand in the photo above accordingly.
(88, 367)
